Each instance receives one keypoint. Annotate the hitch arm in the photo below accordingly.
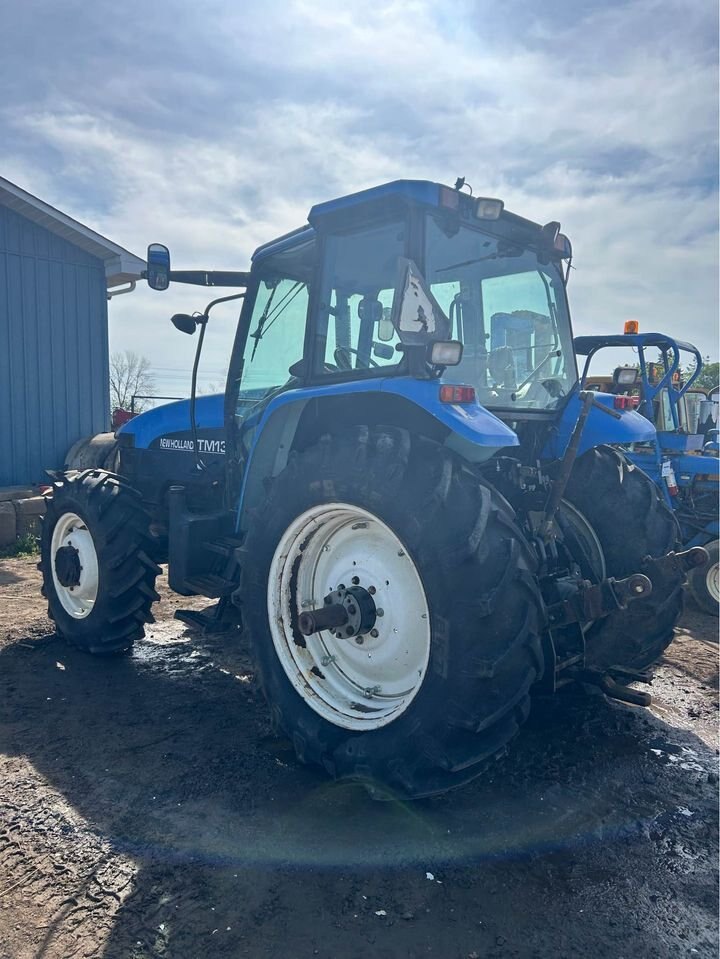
(593, 602)
(557, 490)
(677, 562)
(609, 681)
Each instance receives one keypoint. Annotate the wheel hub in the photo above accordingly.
(67, 566)
(348, 611)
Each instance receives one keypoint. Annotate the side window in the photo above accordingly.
(354, 324)
(360, 334)
(277, 335)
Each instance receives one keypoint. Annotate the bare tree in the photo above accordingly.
(129, 375)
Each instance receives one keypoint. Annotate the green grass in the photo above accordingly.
(26, 545)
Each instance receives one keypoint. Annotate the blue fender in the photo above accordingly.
(469, 421)
(600, 428)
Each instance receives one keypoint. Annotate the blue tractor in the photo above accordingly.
(681, 458)
(414, 513)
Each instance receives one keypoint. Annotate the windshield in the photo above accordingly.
(277, 325)
(510, 313)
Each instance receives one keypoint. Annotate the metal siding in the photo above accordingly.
(53, 348)
(5, 390)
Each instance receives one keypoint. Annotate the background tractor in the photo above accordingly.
(682, 457)
(418, 516)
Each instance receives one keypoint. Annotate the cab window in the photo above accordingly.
(355, 332)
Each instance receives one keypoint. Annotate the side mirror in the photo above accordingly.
(386, 330)
(383, 351)
(158, 267)
(184, 323)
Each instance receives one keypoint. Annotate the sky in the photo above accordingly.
(213, 126)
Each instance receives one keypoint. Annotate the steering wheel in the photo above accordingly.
(343, 360)
(554, 387)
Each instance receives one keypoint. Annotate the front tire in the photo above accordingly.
(631, 522)
(98, 577)
(444, 684)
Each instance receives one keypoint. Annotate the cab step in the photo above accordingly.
(225, 546)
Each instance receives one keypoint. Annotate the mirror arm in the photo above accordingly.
(206, 277)
(210, 277)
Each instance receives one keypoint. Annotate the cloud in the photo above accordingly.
(216, 128)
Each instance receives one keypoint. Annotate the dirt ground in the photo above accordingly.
(146, 811)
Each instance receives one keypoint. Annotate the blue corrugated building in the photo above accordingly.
(55, 275)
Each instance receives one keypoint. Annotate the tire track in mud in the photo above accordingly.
(55, 869)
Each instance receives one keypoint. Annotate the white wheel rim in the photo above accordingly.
(71, 531)
(711, 581)
(356, 685)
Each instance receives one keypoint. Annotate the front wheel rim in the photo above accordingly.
(358, 682)
(71, 533)
(712, 581)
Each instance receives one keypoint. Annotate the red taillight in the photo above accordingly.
(457, 394)
(625, 402)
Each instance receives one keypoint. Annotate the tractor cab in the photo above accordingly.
(413, 279)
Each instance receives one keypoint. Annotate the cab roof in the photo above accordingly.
(423, 192)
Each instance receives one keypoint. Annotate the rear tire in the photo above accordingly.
(631, 522)
(703, 582)
(98, 577)
(476, 571)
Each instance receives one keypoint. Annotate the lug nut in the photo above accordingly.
(380, 612)
(360, 640)
(372, 590)
(374, 633)
(352, 610)
(356, 580)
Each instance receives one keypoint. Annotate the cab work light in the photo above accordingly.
(446, 353)
(487, 209)
(628, 376)
(449, 393)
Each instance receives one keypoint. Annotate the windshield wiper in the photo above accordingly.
(500, 254)
(272, 315)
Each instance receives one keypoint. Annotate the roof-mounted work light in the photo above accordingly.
(627, 375)
(488, 209)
